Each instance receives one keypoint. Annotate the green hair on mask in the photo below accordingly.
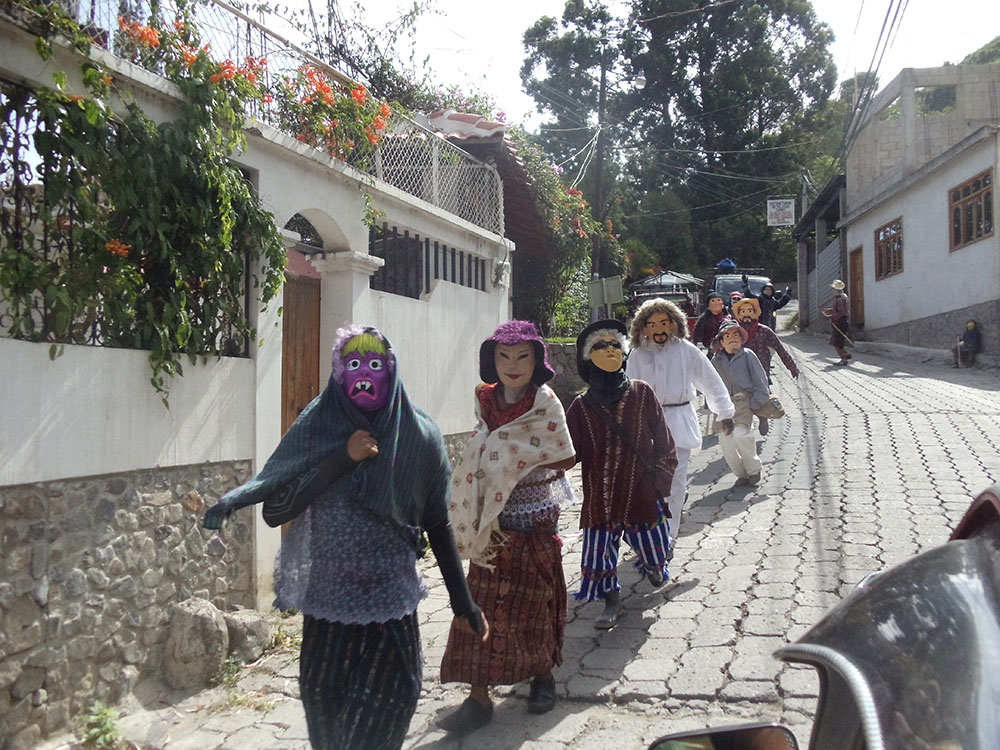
(364, 343)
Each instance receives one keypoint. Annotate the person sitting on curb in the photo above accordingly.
(628, 460)
(968, 346)
(746, 381)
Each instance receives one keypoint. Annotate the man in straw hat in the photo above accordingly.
(839, 316)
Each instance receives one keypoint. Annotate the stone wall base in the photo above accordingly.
(90, 567)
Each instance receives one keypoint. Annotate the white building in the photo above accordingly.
(912, 227)
(102, 488)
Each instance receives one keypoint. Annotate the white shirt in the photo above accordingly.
(677, 371)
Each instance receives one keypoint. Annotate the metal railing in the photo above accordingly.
(410, 157)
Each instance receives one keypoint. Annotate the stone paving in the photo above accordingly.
(873, 463)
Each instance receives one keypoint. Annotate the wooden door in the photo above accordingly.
(856, 287)
(299, 346)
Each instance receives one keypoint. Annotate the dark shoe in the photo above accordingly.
(753, 478)
(741, 482)
(848, 355)
(656, 579)
(470, 716)
(543, 695)
(841, 362)
(955, 365)
(612, 610)
(764, 426)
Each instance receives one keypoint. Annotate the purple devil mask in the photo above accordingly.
(367, 378)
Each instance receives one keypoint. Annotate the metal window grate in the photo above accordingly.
(33, 226)
(412, 263)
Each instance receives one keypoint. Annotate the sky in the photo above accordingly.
(478, 44)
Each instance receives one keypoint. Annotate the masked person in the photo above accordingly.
(709, 322)
(761, 340)
(360, 463)
(769, 302)
(663, 357)
(507, 490)
(628, 460)
(746, 382)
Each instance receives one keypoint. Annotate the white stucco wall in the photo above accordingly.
(934, 279)
(437, 345)
(93, 411)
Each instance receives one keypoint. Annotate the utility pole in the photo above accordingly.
(598, 207)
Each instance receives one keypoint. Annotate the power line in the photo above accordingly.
(678, 13)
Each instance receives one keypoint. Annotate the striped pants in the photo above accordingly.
(359, 683)
(651, 543)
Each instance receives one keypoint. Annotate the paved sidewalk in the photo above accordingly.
(874, 462)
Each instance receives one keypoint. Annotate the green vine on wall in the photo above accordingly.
(152, 223)
(144, 232)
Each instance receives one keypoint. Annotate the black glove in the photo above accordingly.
(728, 426)
(788, 290)
(743, 278)
(443, 545)
(218, 513)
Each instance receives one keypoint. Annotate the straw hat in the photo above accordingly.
(749, 302)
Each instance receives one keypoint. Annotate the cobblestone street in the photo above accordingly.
(873, 463)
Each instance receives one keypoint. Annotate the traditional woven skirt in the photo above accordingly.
(359, 683)
(524, 600)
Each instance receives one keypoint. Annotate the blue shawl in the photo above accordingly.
(410, 470)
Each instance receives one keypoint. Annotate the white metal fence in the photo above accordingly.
(409, 157)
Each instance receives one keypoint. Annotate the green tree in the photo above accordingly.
(576, 70)
(988, 53)
(734, 94)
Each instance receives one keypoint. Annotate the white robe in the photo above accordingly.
(678, 371)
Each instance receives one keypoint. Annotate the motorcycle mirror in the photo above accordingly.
(761, 737)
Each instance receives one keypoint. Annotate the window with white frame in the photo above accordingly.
(889, 249)
(971, 210)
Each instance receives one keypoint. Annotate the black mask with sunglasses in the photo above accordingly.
(605, 344)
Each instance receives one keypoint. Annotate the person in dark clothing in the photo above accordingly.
(769, 303)
(358, 477)
(968, 346)
(628, 459)
(839, 315)
(708, 324)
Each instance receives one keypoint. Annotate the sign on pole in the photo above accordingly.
(605, 291)
(781, 212)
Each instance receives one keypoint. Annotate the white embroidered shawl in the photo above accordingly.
(494, 462)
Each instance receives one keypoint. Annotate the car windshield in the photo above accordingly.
(726, 285)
